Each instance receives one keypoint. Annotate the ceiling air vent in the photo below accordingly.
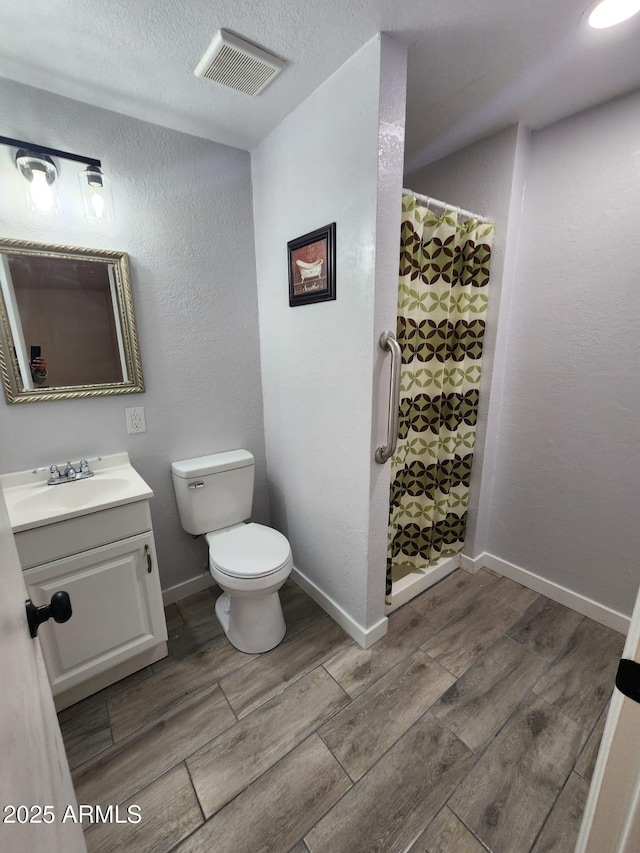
(237, 63)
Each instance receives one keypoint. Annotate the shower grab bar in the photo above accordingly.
(388, 342)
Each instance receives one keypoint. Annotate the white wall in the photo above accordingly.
(318, 361)
(391, 133)
(484, 178)
(183, 209)
(567, 481)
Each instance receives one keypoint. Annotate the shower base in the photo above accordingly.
(408, 582)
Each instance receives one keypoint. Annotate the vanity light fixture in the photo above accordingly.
(607, 13)
(40, 172)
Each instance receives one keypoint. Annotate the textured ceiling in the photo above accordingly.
(475, 66)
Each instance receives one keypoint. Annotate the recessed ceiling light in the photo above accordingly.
(607, 13)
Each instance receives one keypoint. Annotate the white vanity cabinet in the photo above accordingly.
(105, 559)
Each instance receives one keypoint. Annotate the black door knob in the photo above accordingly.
(59, 609)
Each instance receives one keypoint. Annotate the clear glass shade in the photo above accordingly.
(39, 173)
(96, 194)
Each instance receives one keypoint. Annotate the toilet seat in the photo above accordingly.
(248, 551)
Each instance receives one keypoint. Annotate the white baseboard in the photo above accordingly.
(470, 564)
(599, 612)
(416, 582)
(365, 637)
(186, 588)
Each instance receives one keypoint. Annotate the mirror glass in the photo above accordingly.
(68, 325)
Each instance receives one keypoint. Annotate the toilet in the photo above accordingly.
(250, 562)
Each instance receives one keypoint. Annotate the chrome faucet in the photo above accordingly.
(71, 473)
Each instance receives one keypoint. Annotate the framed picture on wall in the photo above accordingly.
(312, 266)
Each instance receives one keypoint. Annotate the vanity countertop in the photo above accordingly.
(32, 503)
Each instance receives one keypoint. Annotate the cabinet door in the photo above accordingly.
(117, 609)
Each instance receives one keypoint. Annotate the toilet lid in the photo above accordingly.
(248, 551)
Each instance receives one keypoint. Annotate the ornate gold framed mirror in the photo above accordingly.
(67, 323)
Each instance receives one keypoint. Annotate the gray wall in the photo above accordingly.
(555, 486)
(183, 208)
(567, 487)
(320, 362)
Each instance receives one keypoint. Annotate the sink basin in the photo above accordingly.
(32, 503)
(72, 495)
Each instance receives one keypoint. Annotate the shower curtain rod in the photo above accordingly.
(434, 201)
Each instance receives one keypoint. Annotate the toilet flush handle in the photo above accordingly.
(197, 485)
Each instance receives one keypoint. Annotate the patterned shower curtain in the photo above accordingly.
(442, 305)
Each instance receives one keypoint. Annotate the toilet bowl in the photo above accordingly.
(249, 561)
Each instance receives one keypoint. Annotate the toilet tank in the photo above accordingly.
(214, 491)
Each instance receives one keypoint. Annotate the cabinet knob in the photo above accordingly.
(59, 608)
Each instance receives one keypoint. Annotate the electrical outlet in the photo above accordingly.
(135, 420)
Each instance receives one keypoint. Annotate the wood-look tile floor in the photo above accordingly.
(472, 726)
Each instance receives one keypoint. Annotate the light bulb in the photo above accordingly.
(97, 203)
(610, 12)
(40, 192)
